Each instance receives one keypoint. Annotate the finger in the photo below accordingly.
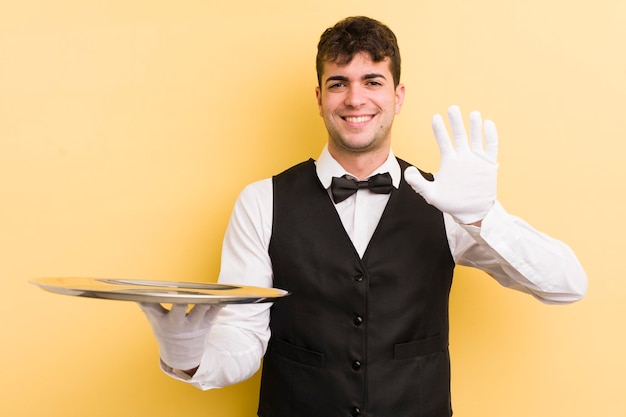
(212, 313)
(441, 134)
(457, 127)
(491, 140)
(154, 309)
(201, 312)
(476, 132)
(178, 312)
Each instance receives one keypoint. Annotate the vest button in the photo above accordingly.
(355, 411)
(358, 278)
(356, 365)
(358, 320)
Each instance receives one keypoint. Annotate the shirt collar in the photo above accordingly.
(327, 168)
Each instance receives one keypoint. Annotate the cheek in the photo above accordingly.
(326, 107)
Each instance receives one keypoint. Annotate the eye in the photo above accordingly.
(336, 85)
(374, 83)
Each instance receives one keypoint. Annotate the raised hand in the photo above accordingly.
(465, 186)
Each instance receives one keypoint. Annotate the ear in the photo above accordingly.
(318, 97)
(399, 97)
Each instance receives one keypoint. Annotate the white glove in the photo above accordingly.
(465, 186)
(180, 335)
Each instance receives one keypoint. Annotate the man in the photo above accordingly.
(365, 331)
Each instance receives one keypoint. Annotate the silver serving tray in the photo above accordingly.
(173, 292)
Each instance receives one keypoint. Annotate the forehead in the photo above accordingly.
(360, 65)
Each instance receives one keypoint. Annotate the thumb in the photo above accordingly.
(416, 180)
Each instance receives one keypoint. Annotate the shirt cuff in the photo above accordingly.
(178, 374)
(496, 223)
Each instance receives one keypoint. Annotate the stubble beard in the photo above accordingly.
(373, 143)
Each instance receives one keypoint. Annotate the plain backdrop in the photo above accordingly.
(128, 128)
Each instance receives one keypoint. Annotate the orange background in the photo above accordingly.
(117, 117)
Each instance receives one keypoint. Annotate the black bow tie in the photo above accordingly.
(344, 187)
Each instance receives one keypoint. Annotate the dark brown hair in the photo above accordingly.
(356, 34)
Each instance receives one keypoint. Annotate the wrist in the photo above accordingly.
(185, 374)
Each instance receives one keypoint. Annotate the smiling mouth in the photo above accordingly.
(358, 119)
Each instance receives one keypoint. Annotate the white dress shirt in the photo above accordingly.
(505, 247)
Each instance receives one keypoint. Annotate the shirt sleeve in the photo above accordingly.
(238, 338)
(518, 257)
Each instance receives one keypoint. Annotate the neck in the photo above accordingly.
(360, 164)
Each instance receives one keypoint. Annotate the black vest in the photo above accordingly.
(357, 337)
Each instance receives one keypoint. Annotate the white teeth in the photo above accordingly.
(357, 119)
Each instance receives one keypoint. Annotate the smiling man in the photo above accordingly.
(367, 244)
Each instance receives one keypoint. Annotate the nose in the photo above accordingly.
(355, 97)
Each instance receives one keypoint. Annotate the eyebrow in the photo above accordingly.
(364, 77)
